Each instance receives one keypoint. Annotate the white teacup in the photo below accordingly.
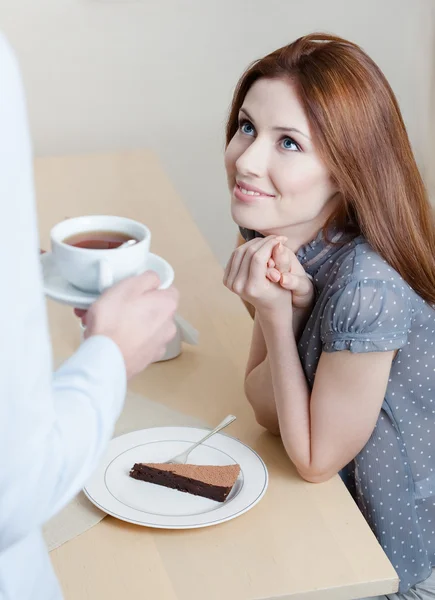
(94, 271)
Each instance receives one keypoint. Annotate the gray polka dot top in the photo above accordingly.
(364, 305)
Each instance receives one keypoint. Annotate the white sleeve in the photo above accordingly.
(53, 429)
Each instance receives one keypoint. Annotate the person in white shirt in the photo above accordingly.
(54, 427)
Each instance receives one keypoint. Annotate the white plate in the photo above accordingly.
(57, 288)
(113, 491)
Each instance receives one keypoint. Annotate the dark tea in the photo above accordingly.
(98, 240)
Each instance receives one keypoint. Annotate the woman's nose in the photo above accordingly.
(253, 161)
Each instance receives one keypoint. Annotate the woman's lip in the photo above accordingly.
(252, 188)
(248, 198)
(252, 193)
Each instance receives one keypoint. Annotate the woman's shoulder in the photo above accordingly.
(367, 306)
(362, 264)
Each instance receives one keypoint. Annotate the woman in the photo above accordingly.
(339, 266)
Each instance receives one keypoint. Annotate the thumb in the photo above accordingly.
(148, 281)
(139, 284)
(134, 286)
(282, 257)
(273, 275)
(300, 285)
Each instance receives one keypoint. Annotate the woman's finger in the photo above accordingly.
(228, 268)
(282, 257)
(237, 259)
(295, 265)
(259, 260)
(241, 261)
(273, 275)
(242, 276)
(298, 284)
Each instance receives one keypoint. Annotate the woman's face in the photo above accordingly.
(277, 181)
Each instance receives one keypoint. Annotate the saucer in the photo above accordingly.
(60, 290)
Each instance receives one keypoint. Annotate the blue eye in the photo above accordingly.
(288, 144)
(246, 127)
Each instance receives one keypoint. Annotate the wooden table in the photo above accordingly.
(302, 540)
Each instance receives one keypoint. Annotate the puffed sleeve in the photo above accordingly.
(367, 315)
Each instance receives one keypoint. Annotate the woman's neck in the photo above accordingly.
(302, 233)
(297, 235)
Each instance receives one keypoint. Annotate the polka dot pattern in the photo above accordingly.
(363, 305)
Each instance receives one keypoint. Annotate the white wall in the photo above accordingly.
(160, 73)
(430, 154)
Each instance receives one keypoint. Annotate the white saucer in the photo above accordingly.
(57, 288)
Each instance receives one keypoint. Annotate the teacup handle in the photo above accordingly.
(105, 275)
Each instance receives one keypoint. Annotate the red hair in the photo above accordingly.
(359, 133)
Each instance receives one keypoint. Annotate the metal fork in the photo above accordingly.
(181, 459)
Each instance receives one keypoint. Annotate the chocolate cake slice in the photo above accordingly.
(209, 481)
